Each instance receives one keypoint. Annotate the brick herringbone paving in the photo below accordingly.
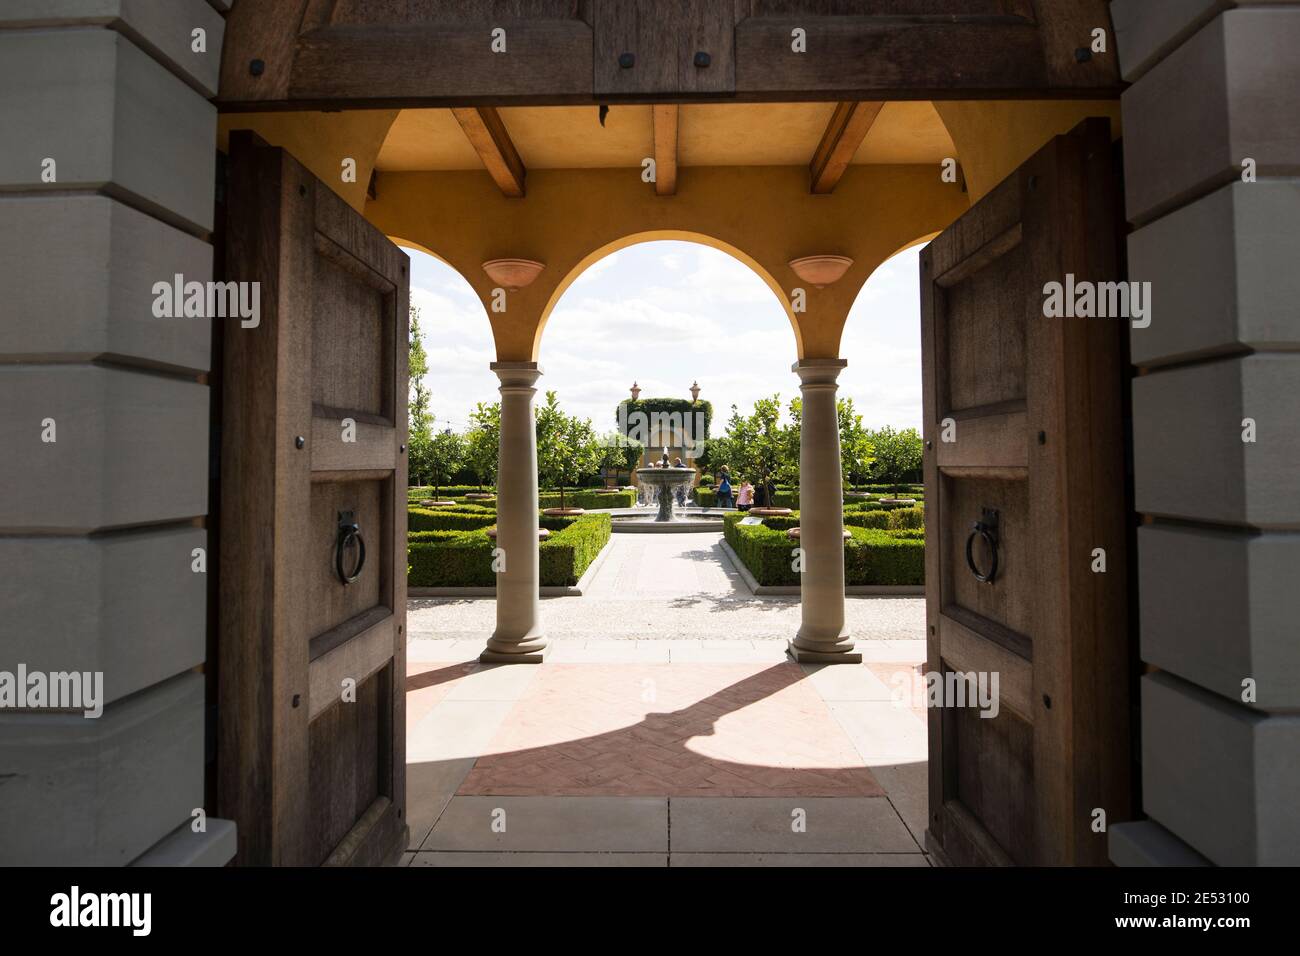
(726, 730)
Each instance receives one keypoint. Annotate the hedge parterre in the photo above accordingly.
(872, 555)
(449, 547)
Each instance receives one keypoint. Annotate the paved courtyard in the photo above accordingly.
(667, 727)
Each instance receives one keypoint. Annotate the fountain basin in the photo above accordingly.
(667, 481)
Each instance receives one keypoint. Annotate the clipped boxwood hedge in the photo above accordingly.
(587, 498)
(459, 518)
(871, 555)
(445, 558)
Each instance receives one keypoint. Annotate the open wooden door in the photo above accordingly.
(311, 748)
(1025, 447)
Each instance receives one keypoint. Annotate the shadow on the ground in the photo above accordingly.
(654, 757)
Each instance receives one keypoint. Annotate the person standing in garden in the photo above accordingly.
(745, 500)
(724, 488)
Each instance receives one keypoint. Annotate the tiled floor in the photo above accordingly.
(666, 727)
(642, 761)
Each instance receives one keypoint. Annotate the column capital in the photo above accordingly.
(517, 374)
(819, 371)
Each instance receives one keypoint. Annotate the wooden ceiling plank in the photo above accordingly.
(487, 134)
(848, 127)
(665, 136)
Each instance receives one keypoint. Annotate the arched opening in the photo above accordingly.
(450, 350)
(604, 252)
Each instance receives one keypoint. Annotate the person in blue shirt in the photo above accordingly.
(724, 489)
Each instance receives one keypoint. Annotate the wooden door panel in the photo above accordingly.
(312, 656)
(1038, 449)
(334, 605)
(1007, 603)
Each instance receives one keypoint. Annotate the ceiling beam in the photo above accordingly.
(487, 134)
(848, 127)
(665, 133)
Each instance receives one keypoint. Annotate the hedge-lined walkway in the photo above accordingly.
(674, 587)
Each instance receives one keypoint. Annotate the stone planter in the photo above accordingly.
(430, 503)
(793, 533)
(563, 512)
(542, 533)
(481, 496)
(771, 512)
(908, 502)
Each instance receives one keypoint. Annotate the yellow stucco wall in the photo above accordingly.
(762, 215)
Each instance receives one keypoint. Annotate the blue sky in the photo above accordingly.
(666, 314)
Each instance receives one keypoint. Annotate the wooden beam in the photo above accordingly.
(848, 127)
(665, 133)
(487, 134)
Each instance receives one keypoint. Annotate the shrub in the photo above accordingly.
(449, 519)
(910, 518)
(572, 546)
(452, 558)
(866, 519)
(587, 499)
(871, 555)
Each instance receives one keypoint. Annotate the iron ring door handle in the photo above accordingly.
(349, 531)
(987, 529)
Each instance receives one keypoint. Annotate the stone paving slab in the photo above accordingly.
(556, 824)
(769, 825)
(797, 859)
(489, 858)
(882, 732)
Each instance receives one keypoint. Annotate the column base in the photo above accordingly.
(826, 654)
(531, 650)
(490, 656)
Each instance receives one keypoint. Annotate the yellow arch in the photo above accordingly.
(658, 235)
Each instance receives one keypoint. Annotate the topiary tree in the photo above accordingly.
(446, 457)
(856, 450)
(618, 453)
(483, 442)
(897, 454)
(757, 445)
(567, 447)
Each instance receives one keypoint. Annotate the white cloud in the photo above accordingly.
(666, 314)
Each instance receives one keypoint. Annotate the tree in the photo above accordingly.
(483, 442)
(567, 447)
(618, 453)
(446, 457)
(855, 441)
(419, 440)
(856, 450)
(756, 444)
(897, 454)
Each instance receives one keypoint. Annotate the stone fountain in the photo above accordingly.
(665, 480)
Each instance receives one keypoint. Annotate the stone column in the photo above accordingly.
(518, 638)
(823, 637)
